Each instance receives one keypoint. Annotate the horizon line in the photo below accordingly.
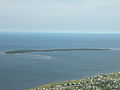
(60, 32)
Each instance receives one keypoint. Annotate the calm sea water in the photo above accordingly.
(20, 72)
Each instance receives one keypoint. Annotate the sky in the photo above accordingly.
(84, 16)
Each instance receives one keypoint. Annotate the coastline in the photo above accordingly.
(109, 81)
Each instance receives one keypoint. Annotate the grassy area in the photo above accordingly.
(99, 82)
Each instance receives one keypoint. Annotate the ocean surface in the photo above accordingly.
(18, 72)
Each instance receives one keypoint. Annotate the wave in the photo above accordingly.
(21, 54)
(115, 48)
(41, 56)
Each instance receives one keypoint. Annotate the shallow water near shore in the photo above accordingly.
(18, 72)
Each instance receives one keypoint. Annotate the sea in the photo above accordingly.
(19, 72)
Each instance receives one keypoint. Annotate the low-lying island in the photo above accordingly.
(54, 50)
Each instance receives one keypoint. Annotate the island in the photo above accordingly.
(55, 50)
(109, 81)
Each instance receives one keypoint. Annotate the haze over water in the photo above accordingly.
(18, 72)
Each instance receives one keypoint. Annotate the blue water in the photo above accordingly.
(20, 72)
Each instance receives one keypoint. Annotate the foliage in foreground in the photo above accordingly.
(99, 82)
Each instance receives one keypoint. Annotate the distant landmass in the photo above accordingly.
(54, 50)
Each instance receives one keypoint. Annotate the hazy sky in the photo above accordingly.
(60, 15)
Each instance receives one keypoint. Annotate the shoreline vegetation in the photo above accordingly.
(55, 50)
(109, 81)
